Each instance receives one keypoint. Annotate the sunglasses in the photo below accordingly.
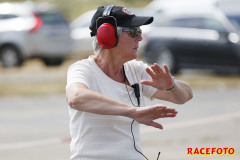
(134, 31)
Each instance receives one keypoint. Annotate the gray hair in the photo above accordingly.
(97, 49)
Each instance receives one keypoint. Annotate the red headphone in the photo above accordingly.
(107, 33)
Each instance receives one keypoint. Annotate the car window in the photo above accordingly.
(235, 19)
(52, 19)
(213, 24)
(196, 22)
(7, 16)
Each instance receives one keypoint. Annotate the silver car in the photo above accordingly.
(29, 30)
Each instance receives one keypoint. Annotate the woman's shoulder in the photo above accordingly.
(81, 63)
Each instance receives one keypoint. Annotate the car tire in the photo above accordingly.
(10, 56)
(165, 56)
(53, 61)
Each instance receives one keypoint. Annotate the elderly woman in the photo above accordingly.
(105, 92)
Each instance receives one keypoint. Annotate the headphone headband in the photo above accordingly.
(107, 11)
(106, 15)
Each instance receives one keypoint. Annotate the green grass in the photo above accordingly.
(34, 78)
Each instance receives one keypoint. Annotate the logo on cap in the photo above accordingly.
(125, 10)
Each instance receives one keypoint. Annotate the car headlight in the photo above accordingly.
(233, 37)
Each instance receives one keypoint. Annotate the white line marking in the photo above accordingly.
(28, 144)
(147, 130)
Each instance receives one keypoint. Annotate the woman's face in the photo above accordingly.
(128, 45)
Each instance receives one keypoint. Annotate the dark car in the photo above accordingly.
(204, 39)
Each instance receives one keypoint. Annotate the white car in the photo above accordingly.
(80, 33)
(29, 30)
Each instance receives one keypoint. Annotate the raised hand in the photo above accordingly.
(161, 79)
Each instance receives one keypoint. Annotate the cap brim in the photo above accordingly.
(137, 21)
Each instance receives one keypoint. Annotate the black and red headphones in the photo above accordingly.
(107, 29)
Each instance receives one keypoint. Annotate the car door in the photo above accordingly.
(53, 37)
(199, 42)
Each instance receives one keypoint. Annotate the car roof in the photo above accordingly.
(83, 19)
(25, 8)
(194, 11)
(232, 6)
(176, 4)
(228, 6)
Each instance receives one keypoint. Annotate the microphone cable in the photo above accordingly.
(137, 94)
(134, 143)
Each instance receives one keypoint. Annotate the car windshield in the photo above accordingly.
(235, 19)
(52, 19)
(192, 22)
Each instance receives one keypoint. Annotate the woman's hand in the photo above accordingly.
(147, 115)
(161, 79)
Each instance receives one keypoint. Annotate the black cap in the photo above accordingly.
(122, 16)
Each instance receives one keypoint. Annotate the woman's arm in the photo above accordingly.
(180, 94)
(81, 98)
(180, 91)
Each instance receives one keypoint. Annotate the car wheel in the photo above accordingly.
(165, 56)
(53, 61)
(10, 57)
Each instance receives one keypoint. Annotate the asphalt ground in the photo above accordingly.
(36, 127)
(34, 122)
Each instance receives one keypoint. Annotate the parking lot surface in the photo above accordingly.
(36, 127)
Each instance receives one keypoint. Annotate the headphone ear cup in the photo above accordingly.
(106, 36)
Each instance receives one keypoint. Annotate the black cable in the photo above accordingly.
(158, 155)
(134, 143)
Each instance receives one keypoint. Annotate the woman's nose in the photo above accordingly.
(139, 37)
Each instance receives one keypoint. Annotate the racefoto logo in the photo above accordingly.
(211, 151)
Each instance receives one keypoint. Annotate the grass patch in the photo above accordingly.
(34, 78)
(31, 89)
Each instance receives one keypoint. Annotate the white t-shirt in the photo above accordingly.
(105, 137)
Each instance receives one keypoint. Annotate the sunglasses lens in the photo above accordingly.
(136, 32)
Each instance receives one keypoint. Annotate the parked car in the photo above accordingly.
(80, 33)
(29, 30)
(193, 38)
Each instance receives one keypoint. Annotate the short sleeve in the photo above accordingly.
(78, 72)
(136, 71)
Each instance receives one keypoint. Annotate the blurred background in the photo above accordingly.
(198, 39)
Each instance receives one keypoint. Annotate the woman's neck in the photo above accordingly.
(110, 65)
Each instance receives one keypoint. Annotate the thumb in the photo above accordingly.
(156, 125)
